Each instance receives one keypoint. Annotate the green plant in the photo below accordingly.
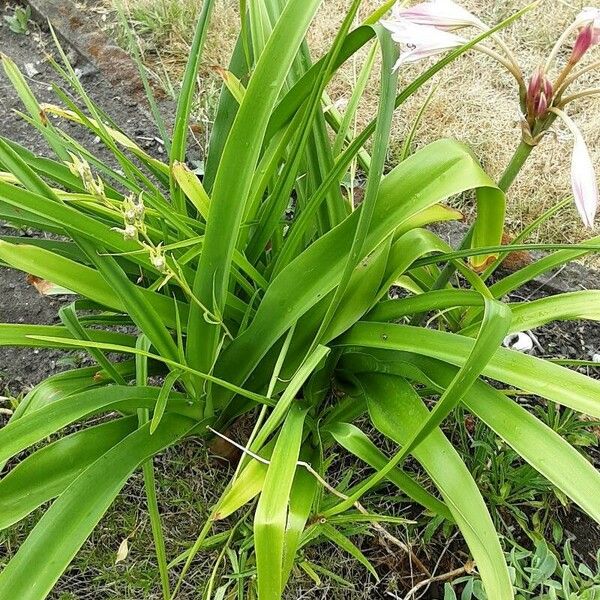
(259, 292)
(18, 22)
(513, 490)
(538, 574)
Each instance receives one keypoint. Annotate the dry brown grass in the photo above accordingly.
(476, 101)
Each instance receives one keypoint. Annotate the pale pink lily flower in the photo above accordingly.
(584, 182)
(590, 14)
(420, 41)
(443, 14)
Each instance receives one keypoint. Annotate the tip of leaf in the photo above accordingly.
(479, 264)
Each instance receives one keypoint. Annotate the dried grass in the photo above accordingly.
(476, 102)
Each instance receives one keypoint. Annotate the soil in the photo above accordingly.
(20, 369)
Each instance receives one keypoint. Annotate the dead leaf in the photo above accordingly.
(47, 288)
(123, 551)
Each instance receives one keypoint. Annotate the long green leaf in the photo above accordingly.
(271, 512)
(35, 426)
(528, 373)
(49, 471)
(24, 336)
(240, 156)
(436, 172)
(73, 516)
(355, 441)
(186, 96)
(399, 413)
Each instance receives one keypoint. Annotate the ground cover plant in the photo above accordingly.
(257, 293)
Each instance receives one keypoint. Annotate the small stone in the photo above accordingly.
(30, 70)
(596, 358)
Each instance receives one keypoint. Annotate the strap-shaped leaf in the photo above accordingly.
(398, 412)
(272, 509)
(21, 335)
(49, 471)
(35, 426)
(83, 279)
(494, 326)
(240, 156)
(355, 441)
(73, 516)
(540, 377)
(436, 172)
(538, 444)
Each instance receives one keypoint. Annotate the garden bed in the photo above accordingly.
(189, 480)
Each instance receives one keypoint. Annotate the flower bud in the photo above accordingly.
(130, 232)
(583, 43)
(541, 105)
(157, 258)
(130, 216)
(535, 83)
(539, 93)
(548, 88)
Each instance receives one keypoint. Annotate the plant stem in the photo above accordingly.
(582, 94)
(515, 165)
(143, 414)
(155, 522)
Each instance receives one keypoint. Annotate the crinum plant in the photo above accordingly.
(258, 291)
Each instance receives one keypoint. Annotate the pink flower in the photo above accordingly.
(589, 14)
(420, 41)
(585, 40)
(443, 14)
(583, 179)
(588, 20)
(583, 174)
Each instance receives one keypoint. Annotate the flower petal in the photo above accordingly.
(444, 14)
(420, 41)
(584, 182)
(590, 15)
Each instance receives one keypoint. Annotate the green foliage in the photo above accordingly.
(259, 294)
(538, 575)
(18, 22)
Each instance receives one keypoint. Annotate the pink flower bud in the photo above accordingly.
(535, 83)
(583, 43)
(539, 93)
(547, 88)
(443, 14)
(541, 105)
